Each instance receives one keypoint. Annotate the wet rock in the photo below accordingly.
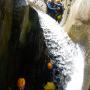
(78, 28)
(38, 4)
(23, 52)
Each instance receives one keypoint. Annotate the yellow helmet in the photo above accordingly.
(49, 86)
(57, 0)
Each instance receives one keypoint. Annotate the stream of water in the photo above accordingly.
(64, 52)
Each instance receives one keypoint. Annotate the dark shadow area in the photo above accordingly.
(29, 59)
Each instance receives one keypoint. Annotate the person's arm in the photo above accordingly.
(60, 6)
(50, 7)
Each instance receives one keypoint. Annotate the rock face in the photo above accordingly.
(78, 28)
(38, 4)
(23, 52)
(67, 4)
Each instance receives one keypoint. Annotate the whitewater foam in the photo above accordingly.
(63, 51)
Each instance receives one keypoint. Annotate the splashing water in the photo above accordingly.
(63, 51)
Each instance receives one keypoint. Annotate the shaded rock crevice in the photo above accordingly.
(22, 54)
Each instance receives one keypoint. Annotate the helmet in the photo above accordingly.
(49, 86)
(49, 65)
(50, 0)
(21, 82)
(57, 0)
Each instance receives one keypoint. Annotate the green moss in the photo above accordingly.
(5, 31)
(25, 27)
(24, 33)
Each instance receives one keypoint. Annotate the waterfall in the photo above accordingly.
(64, 52)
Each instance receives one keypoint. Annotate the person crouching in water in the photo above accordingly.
(55, 9)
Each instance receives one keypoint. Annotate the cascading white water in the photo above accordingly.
(67, 54)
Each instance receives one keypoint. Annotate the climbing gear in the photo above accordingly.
(49, 86)
(49, 65)
(21, 83)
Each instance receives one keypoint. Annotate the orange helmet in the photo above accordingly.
(57, 0)
(49, 65)
(21, 83)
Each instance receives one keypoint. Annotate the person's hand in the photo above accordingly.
(58, 8)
